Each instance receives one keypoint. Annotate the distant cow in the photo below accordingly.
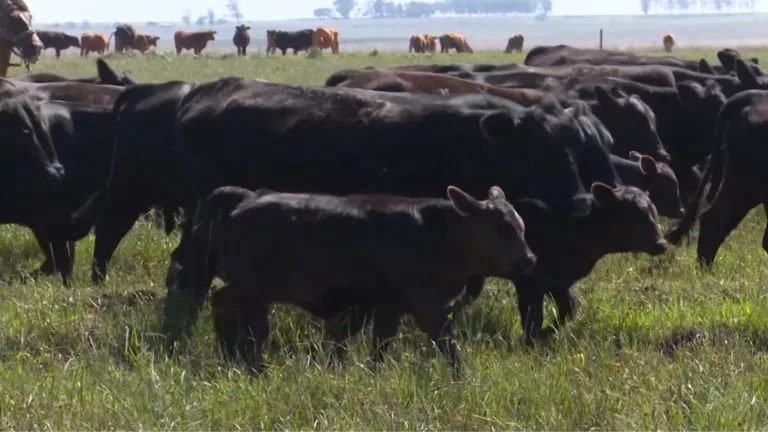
(423, 43)
(144, 41)
(426, 249)
(125, 37)
(515, 43)
(59, 41)
(326, 37)
(455, 41)
(296, 40)
(669, 42)
(93, 42)
(241, 39)
(196, 41)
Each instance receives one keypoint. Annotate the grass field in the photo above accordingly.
(658, 344)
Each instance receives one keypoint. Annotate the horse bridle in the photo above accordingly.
(13, 41)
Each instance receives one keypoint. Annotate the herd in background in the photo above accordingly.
(333, 198)
(126, 38)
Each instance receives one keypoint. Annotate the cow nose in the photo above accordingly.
(56, 173)
(525, 265)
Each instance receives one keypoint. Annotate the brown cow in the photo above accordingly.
(515, 43)
(93, 42)
(423, 43)
(393, 80)
(144, 41)
(326, 37)
(456, 41)
(241, 39)
(669, 42)
(196, 41)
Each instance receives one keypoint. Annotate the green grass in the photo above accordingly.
(89, 358)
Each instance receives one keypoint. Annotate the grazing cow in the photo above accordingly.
(17, 34)
(561, 55)
(455, 41)
(669, 42)
(296, 40)
(145, 174)
(196, 41)
(93, 42)
(59, 41)
(241, 39)
(104, 75)
(326, 37)
(422, 43)
(428, 83)
(656, 178)
(735, 175)
(426, 250)
(515, 44)
(125, 37)
(527, 151)
(144, 41)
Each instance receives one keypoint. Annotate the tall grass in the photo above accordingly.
(658, 344)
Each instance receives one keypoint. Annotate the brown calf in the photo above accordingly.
(93, 42)
(455, 41)
(144, 41)
(196, 41)
(326, 37)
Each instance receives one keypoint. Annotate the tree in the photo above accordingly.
(645, 6)
(86, 24)
(201, 20)
(233, 6)
(187, 18)
(211, 17)
(344, 7)
(546, 6)
(323, 13)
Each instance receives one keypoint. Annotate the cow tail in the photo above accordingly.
(713, 173)
(108, 41)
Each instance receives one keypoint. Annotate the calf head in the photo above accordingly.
(72, 41)
(271, 39)
(211, 35)
(701, 105)
(632, 124)
(29, 167)
(497, 233)
(242, 29)
(152, 40)
(663, 187)
(628, 220)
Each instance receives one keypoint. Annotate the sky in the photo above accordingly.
(49, 11)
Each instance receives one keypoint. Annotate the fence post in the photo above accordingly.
(601, 39)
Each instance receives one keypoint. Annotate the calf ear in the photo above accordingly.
(688, 92)
(495, 193)
(755, 60)
(500, 126)
(634, 156)
(745, 74)
(604, 195)
(705, 68)
(606, 100)
(648, 165)
(726, 59)
(463, 202)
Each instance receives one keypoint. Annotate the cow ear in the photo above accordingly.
(495, 193)
(463, 202)
(745, 74)
(106, 74)
(634, 156)
(604, 195)
(705, 68)
(605, 99)
(726, 59)
(755, 60)
(500, 126)
(688, 92)
(648, 165)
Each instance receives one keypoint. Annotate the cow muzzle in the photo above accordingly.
(55, 173)
(523, 265)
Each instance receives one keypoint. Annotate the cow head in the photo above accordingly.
(497, 233)
(16, 30)
(152, 40)
(663, 187)
(628, 219)
(242, 28)
(431, 43)
(29, 168)
(72, 41)
(632, 124)
(211, 35)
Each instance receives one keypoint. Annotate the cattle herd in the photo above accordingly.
(391, 192)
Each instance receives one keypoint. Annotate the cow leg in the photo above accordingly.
(59, 257)
(530, 303)
(385, 327)
(244, 50)
(438, 325)
(566, 305)
(730, 206)
(241, 326)
(109, 232)
(58, 53)
(346, 324)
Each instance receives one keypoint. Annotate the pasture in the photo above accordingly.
(658, 343)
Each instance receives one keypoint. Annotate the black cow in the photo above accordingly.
(325, 140)
(57, 40)
(284, 40)
(104, 75)
(425, 251)
(735, 174)
(656, 178)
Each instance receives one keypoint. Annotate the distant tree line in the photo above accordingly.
(419, 9)
(649, 6)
